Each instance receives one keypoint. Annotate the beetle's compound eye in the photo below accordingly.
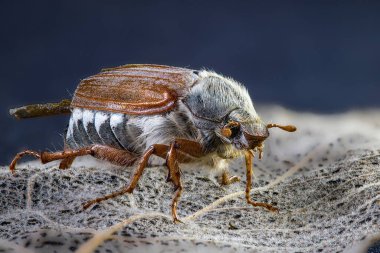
(231, 129)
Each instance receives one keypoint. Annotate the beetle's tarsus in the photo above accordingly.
(12, 166)
(267, 206)
(123, 191)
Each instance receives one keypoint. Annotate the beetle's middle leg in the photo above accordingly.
(175, 176)
(156, 149)
(133, 183)
(177, 151)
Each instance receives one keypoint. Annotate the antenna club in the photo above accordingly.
(288, 128)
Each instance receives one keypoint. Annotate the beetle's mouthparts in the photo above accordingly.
(289, 128)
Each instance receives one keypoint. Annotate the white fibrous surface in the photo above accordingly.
(324, 178)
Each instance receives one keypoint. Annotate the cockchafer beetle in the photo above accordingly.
(126, 114)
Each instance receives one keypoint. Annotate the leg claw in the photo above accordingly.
(234, 179)
(227, 180)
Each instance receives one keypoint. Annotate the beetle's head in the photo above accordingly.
(245, 132)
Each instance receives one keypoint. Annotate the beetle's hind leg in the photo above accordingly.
(112, 155)
(45, 157)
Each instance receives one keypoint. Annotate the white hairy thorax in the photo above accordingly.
(214, 85)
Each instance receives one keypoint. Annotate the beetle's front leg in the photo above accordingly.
(248, 163)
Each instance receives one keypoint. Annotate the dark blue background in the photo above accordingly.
(321, 56)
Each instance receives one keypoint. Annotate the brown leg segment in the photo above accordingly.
(66, 163)
(248, 163)
(120, 157)
(67, 154)
(175, 177)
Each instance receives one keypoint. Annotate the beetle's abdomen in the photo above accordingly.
(130, 132)
(87, 127)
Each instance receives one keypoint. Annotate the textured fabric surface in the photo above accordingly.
(324, 179)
